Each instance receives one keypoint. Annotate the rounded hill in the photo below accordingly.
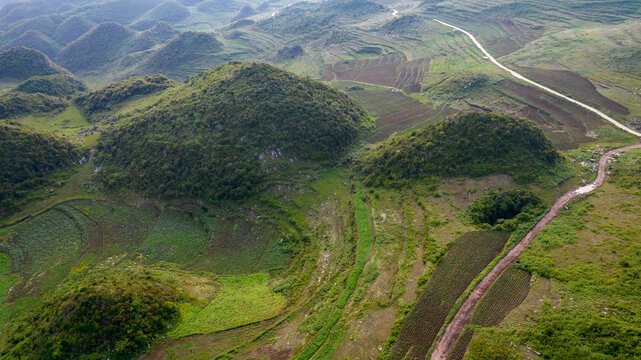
(467, 144)
(224, 131)
(20, 63)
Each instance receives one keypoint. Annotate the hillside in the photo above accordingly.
(99, 46)
(20, 103)
(124, 308)
(54, 85)
(27, 159)
(468, 144)
(227, 129)
(114, 94)
(190, 49)
(20, 63)
(34, 39)
(71, 28)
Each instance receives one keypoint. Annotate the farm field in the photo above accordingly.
(507, 293)
(390, 70)
(464, 260)
(241, 300)
(582, 269)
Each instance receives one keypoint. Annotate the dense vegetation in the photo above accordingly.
(496, 206)
(19, 103)
(114, 313)
(27, 158)
(107, 97)
(20, 63)
(55, 85)
(468, 144)
(226, 129)
(188, 47)
(100, 45)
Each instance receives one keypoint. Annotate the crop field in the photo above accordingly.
(47, 242)
(607, 55)
(332, 333)
(464, 260)
(564, 123)
(390, 70)
(122, 228)
(593, 289)
(6, 282)
(241, 300)
(240, 244)
(572, 84)
(509, 290)
(394, 110)
(177, 237)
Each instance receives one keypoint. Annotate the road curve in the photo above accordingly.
(546, 89)
(446, 341)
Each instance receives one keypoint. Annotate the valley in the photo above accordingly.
(339, 179)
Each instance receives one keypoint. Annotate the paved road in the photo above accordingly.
(453, 330)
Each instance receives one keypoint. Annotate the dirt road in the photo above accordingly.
(453, 330)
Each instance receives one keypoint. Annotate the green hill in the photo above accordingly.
(224, 131)
(169, 10)
(72, 28)
(18, 103)
(27, 158)
(158, 34)
(111, 95)
(114, 313)
(54, 85)
(99, 46)
(34, 39)
(20, 63)
(190, 50)
(468, 144)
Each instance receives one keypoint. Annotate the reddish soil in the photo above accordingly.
(446, 342)
(571, 83)
(389, 70)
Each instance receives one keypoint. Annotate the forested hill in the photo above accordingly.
(225, 130)
(467, 144)
(27, 160)
(20, 63)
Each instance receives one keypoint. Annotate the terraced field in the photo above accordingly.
(395, 111)
(390, 70)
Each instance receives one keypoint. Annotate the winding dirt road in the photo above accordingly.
(453, 330)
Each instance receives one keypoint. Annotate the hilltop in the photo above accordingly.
(20, 63)
(101, 45)
(189, 49)
(27, 160)
(467, 144)
(114, 94)
(224, 131)
(55, 85)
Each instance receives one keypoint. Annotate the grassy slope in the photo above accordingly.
(589, 253)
